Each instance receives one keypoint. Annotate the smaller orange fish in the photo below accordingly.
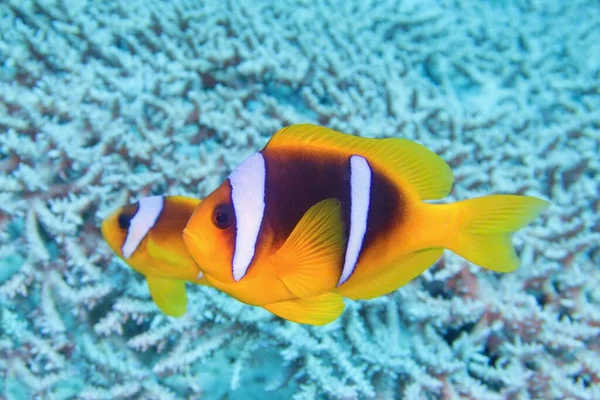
(147, 235)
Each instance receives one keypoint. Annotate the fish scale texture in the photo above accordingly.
(102, 103)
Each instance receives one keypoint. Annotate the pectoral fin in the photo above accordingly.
(172, 256)
(174, 262)
(318, 310)
(168, 294)
(309, 262)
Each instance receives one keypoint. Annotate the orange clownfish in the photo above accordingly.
(319, 215)
(147, 235)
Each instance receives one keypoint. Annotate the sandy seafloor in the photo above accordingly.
(102, 103)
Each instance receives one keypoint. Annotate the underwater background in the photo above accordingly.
(106, 102)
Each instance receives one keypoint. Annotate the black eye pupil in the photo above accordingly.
(223, 216)
(124, 221)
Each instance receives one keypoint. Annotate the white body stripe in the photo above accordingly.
(360, 197)
(248, 197)
(149, 210)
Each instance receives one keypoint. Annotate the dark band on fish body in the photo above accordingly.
(297, 180)
(173, 217)
(386, 211)
(163, 213)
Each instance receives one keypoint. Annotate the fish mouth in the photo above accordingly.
(191, 239)
(188, 234)
(104, 228)
(110, 240)
(194, 245)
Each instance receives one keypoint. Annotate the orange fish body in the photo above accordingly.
(147, 235)
(318, 215)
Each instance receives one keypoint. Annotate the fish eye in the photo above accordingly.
(223, 216)
(124, 221)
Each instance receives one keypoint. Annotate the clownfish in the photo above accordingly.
(319, 215)
(147, 235)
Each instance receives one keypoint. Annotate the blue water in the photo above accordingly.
(103, 103)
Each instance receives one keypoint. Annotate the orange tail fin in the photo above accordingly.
(485, 226)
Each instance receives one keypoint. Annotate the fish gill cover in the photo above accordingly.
(102, 103)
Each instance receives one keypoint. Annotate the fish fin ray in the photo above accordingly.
(486, 227)
(162, 253)
(309, 262)
(168, 294)
(405, 161)
(389, 279)
(174, 260)
(317, 310)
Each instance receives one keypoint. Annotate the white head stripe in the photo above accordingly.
(360, 192)
(149, 210)
(248, 197)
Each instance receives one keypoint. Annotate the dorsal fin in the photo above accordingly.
(404, 161)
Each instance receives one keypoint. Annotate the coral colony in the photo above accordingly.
(103, 103)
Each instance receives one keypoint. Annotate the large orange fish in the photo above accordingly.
(147, 235)
(318, 215)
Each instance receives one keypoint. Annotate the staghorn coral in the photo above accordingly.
(102, 103)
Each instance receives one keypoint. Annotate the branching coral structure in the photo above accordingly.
(102, 103)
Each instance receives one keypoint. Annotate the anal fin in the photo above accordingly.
(396, 275)
(309, 262)
(168, 294)
(318, 310)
